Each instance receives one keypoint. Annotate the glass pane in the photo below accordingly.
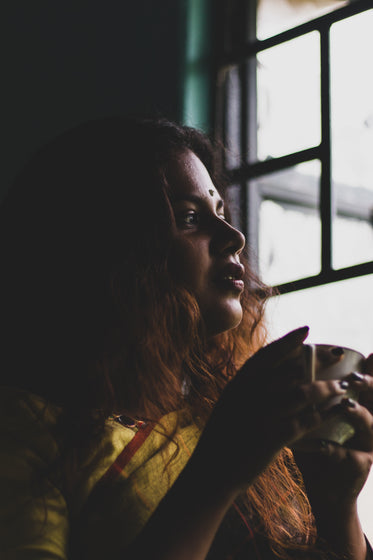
(352, 138)
(232, 118)
(275, 16)
(338, 314)
(289, 224)
(353, 241)
(289, 97)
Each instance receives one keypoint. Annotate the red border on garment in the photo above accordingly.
(128, 452)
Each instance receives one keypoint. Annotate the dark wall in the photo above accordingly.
(64, 61)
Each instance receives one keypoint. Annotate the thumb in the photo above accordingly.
(278, 350)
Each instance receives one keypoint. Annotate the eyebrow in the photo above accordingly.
(197, 200)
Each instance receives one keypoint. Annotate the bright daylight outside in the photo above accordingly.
(289, 235)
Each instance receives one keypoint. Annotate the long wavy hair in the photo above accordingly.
(90, 315)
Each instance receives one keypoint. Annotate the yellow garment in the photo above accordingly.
(95, 521)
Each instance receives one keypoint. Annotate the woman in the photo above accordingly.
(142, 415)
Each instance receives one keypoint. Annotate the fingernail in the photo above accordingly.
(356, 376)
(349, 403)
(344, 384)
(337, 351)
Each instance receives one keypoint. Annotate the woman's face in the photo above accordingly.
(206, 247)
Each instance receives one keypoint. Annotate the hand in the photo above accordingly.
(264, 408)
(364, 384)
(334, 475)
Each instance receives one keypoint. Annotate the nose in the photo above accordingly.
(227, 238)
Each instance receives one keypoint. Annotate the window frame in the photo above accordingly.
(243, 54)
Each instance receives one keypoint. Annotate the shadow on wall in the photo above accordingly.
(65, 62)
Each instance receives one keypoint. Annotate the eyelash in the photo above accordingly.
(183, 218)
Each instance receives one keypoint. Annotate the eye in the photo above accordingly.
(189, 218)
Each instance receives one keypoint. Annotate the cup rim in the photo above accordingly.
(346, 348)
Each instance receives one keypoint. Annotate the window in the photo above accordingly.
(295, 110)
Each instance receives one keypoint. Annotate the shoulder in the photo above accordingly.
(27, 447)
(28, 443)
(26, 422)
(36, 514)
(132, 487)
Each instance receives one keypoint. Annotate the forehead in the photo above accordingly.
(186, 175)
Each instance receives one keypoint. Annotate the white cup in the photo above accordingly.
(323, 362)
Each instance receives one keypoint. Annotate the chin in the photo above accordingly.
(223, 321)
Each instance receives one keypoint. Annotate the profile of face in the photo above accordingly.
(206, 248)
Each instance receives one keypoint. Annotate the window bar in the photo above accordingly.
(255, 45)
(249, 138)
(243, 137)
(326, 207)
(319, 280)
(251, 169)
(258, 168)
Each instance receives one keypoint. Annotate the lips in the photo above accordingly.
(231, 277)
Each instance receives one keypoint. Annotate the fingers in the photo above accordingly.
(362, 420)
(273, 354)
(303, 409)
(316, 395)
(368, 366)
(333, 471)
(350, 464)
(322, 395)
(265, 365)
(362, 385)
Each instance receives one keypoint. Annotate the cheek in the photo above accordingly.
(187, 264)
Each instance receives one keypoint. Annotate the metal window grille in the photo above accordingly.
(238, 63)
